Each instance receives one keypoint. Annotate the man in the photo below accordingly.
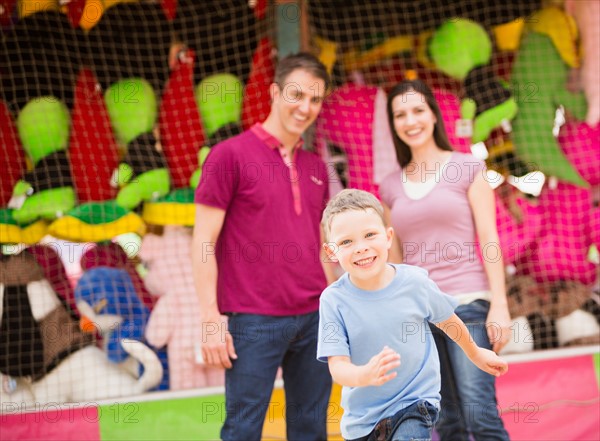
(257, 263)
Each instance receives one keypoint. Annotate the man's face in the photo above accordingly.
(297, 102)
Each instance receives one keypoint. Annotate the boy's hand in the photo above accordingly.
(377, 371)
(489, 362)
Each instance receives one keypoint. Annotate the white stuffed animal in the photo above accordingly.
(45, 357)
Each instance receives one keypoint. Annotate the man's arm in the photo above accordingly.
(329, 267)
(217, 344)
(484, 359)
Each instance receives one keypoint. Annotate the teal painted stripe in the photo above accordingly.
(288, 29)
(196, 418)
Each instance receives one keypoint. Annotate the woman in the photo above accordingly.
(442, 210)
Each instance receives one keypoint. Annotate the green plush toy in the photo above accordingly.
(219, 99)
(132, 108)
(142, 175)
(224, 132)
(96, 222)
(541, 69)
(47, 190)
(462, 49)
(202, 155)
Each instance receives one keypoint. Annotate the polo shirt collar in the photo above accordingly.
(270, 140)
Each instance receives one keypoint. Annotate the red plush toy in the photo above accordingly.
(93, 150)
(54, 272)
(181, 132)
(257, 103)
(13, 156)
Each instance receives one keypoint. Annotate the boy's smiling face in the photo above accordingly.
(360, 242)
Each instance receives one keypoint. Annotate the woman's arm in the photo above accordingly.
(395, 255)
(375, 373)
(483, 207)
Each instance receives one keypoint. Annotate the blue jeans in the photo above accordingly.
(413, 423)
(468, 394)
(263, 344)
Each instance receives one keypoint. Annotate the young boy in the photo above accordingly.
(376, 314)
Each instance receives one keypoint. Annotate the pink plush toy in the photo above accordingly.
(450, 108)
(587, 15)
(570, 221)
(516, 234)
(175, 319)
(581, 144)
(561, 251)
(346, 120)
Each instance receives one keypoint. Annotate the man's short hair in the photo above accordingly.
(304, 61)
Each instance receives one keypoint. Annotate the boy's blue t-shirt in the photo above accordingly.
(358, 324)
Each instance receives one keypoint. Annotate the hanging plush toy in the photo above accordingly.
(200, 25)
(140, 39)
(257, 105)
(93, 154)
(561, 250)
(569, 217)
(42, 347)
(174, 320)
(347, 121)
(107, 300)
(462, 49)
(142, 174)
(51, 263)
(14, 168)
(112, 255)
(540, 71)
(517, 231)
(219, 99)
(181, 132)
(587, 15)
(47, 190)
(581, 144)
(182, 136)
(93, 150)
(12, 155)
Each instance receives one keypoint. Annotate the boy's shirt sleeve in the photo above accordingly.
(332, 338)
(440, 306)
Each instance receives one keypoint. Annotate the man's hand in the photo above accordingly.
(217, 342)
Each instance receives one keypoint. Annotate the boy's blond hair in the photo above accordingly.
(346, 200)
